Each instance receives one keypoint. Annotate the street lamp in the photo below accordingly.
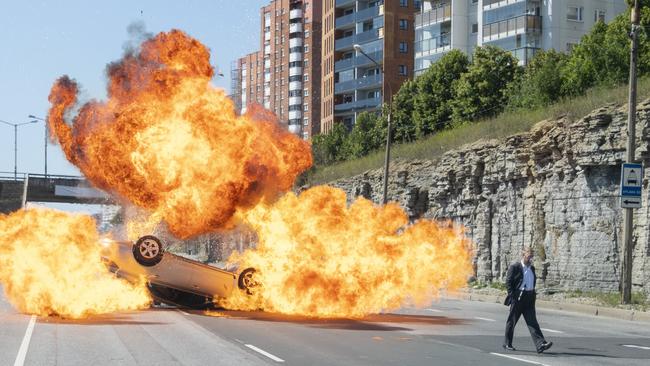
(15, 125)
(46, 133)
(390, 113)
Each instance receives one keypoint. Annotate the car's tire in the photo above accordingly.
(148, 250)
(247, 280)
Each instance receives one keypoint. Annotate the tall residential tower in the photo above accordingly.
(351, 83)
(284, 76)
(519, 26)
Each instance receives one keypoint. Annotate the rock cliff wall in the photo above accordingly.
(554, 188)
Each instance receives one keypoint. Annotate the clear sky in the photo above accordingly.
(42, 40)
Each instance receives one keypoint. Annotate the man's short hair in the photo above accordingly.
(527, 250)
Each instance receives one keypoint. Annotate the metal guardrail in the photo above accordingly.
(10, 176)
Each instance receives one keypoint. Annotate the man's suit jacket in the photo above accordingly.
(514, 279)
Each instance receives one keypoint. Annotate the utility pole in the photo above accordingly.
(626, 281)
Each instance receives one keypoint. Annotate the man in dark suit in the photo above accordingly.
(520, 281)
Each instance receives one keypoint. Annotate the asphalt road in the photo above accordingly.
(449, 332)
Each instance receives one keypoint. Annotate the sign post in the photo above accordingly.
(631, 179)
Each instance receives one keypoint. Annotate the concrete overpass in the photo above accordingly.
(17, 190)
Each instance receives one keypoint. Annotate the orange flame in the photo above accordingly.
(171, 143)
(50, 263)
(317, 256)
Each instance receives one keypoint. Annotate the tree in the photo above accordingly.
(360, 141)
(435, 91)
(541, 83)
(327, 148)
(402, 118)
(481, 91)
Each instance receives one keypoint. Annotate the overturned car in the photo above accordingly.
(173, 279)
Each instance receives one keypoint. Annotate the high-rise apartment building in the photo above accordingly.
(520, 26)
(284, 76)
(351, 83)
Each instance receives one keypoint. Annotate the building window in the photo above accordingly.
(599, 15)
(306, 92)
(307, 34)
(403, 3)
(418, 3)
(403, 47)
(403, 24)
(574, 13)
(474, 28)
(306, 77)
(306, 48)
(306, 107)
(403, 70)
(570, 46)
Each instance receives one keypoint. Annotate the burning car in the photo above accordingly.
(173, 279)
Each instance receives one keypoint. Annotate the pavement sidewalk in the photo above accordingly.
(624, 314)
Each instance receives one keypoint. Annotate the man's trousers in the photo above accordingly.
(526, 307)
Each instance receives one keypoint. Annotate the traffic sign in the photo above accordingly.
(631, 179)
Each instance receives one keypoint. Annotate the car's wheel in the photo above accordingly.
(148, 251)
(247, 280)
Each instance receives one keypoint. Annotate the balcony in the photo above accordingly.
(359, 104)
(295, 27)
(511, 27)
(295, 42)
(432, 46)
(358, 61)
(348, 42)
(494, 4)
(357, 16)
(295, 100)
(434, 16)
(295, 56)
(295, 85)
(295, 14)
(293, 71)
(295, 114)
(524, 54)
(361, 83)
(342, 3)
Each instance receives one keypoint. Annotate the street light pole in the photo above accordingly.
(45, 140)
(628, 226)
(15, 126)
(359, 49)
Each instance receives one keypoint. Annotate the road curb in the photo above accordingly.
(624, 314)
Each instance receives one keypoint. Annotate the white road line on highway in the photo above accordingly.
(551, 330)
(486, 319)
(518, 359)
(434, 310)
(22, 351)
(259, 350)
(182, 312)
(635, 346)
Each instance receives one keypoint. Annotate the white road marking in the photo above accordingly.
(551, 330)
(518, 359)
(486, 319)
(182, 312)
(259, 350)
(434, 310)
(635, 346)
(22, 351)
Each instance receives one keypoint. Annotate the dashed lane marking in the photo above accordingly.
(518, 359)
(635, 346)
(434, 310)
(182, 312)
(486, 319)
(22, 351)
(552, 330)
(259, 350)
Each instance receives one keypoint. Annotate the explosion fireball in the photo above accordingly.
(170, 143)
(320, 257)
(50, 264)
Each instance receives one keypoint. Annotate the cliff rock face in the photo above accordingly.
(554, 188)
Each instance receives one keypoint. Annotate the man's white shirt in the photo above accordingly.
(529, 278)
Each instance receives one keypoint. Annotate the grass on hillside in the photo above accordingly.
(639, 300)
(503, 125)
